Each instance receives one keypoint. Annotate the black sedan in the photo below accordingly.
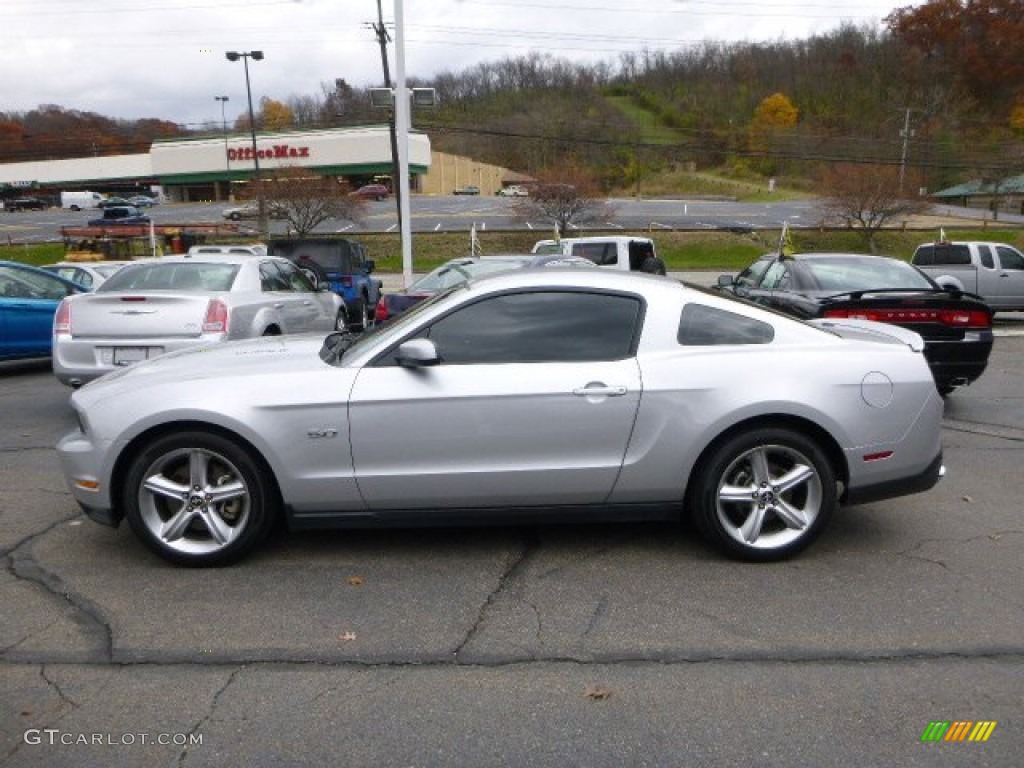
(956, 327)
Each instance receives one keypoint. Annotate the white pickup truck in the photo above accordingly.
(993, 271)
(636, 254)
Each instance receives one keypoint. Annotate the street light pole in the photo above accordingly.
(261, 206)
(224, 132)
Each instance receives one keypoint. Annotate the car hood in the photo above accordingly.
(216, 364)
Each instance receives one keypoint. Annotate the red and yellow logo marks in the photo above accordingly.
(958, 730)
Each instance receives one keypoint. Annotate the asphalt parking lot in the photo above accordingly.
(605, 646)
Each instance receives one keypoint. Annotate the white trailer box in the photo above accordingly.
(78, 201)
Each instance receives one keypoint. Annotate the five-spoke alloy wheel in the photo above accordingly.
(198, 499)
(765, 494)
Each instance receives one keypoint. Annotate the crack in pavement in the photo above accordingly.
(21, 563)
(214, 702)
(515, 566)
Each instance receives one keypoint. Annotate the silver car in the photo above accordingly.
(535, 395)
(88, 274)
(177, 302)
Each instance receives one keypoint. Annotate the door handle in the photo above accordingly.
(599, 390)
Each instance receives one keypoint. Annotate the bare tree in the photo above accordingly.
(567, 201)
(867, 197)
(306, 200)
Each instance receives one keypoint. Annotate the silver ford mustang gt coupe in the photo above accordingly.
(538, 395)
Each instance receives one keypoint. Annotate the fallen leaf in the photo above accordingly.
(968, 499)
(597, 692)
(347, 636)
(355, 581)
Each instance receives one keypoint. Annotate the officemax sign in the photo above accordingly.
(277, 152)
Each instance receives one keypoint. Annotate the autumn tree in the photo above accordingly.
(975, 43)
(774, 118)
(867, 197)
(305, 200)
(566, 200)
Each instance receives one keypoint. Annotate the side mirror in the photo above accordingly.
(724, 281)
(417, 353)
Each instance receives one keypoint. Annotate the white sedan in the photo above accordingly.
(177, 302)
(534, 395)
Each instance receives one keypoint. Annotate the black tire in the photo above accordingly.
(341, 321)
(235, 216)
(198, 499)
(361, 314)
(653, 266)
(764, 495)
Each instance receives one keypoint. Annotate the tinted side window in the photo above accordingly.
(776, 276)
(545, 326)
(985, 254)
(751, 276)
(1009, 258)
(271, 278)
(599, 253)
(294, 277)
(701, 326)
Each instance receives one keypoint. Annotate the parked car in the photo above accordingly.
(120, 215)
(547, 395)
(626, 252)
(467, 190)
(28, 300)
(252, 211)
(343, 266)
(956, 328)
(88, 274)
(514, 190)
(458, 271)
(25, 204)
(111, 202)
(373, 191)
(993, 271)
(143, 201)
(180, 302)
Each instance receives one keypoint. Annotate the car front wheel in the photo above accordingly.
(198, 499)
(765, 494)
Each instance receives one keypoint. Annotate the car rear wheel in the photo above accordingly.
(198, 499)
(765, 494)
(361, 311)
(341, 321)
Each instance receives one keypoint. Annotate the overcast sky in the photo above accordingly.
(165, 58)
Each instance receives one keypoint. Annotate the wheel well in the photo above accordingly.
(272, 330)
(828, 445)
(137, 444)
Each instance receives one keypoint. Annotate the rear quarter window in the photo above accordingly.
(703, 326)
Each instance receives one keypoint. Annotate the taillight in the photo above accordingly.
(216, 320)
(960, 318)
(346, 280)
(62, 319)
(381, 313)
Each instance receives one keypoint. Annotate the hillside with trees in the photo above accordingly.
(938, 94)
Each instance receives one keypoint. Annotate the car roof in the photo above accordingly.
(236, 257)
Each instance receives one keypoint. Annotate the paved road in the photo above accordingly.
(603, 646)
(450, 213)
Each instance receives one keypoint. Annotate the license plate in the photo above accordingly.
(129, 355)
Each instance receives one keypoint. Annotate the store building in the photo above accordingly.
(202, 169)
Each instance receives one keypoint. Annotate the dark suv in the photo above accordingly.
(341, 264)
(25, 204)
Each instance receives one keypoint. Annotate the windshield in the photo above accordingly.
(865, 273)
(452, 274)
(175, 276)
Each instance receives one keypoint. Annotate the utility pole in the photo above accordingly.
(383, 38)
(905, 134)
